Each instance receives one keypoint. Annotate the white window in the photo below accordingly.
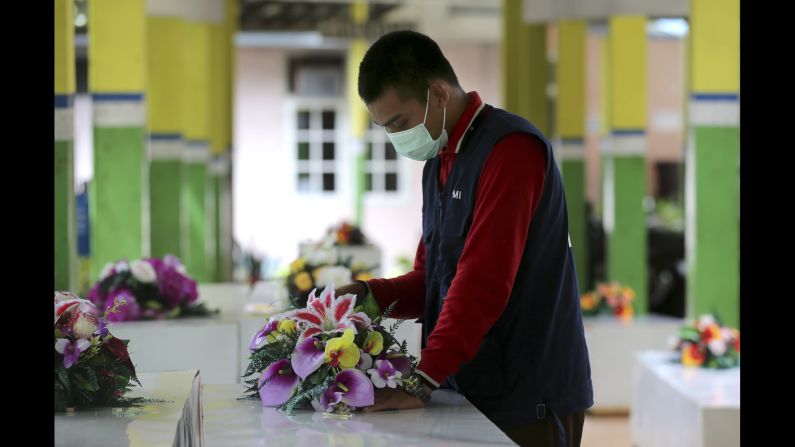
(381, 165)
(317, 148)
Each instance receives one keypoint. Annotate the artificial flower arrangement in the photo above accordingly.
(609, 298)
(316, 272)
(152, 289)
(345, 234)
(708, 344)
(328, 355)
(92, 367)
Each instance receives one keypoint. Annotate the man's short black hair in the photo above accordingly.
(406, 60)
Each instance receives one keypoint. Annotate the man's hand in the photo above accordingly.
(356, 288)
(394, 399)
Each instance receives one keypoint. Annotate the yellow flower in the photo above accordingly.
(691, 355)
(297, 265)
(341, 351)
(628, 293)
(303, 281)
(374, 343)
(587, 302)
(287, 326)
(625, 312)
(363, 276)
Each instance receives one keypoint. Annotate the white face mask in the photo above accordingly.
(416, 143)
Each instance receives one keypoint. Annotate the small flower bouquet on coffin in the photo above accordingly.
(610, 298)
(307, 274)
(345, 234)
(708, 344)
(92, 367)
(152, 289)
(327, 355)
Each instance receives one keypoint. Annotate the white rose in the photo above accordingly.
(122, 266)
(74, 305)
(726, 334)
(673, 342)
(143, 271)
(85, 326)
(337, 274)
(717, 346)
(320, 257)
(64, 296)
(704, 321)
(106, 271)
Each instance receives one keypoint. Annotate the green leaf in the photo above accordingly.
(370, 307)
(153, 305)
(85, 379)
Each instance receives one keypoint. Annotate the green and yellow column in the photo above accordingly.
(525, 67)
(358, 112)
(117, 81)
(220, 143)
(65, 243)
(624, 176)
(224, 240)
(570, 126)
(712, 177)
(166, 43)
(198, 237)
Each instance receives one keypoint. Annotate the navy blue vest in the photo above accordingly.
(533, 362)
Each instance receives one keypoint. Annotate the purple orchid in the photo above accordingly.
(351, 387)
(365, 362)
(71, 350)
(399, 361)
(384, 374)
(307, 357)
(262, 335)
(277, 383)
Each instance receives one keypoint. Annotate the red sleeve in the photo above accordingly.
(508, 193)
(408, 289)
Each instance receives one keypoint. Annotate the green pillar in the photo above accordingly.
(166, 41)
(570, 126)
(712, 184)
(117, 80)
(625, 157)
(64, 219)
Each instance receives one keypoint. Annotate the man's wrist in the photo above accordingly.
(364, 290)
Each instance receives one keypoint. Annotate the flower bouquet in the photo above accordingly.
(92, 367)
(610, 298)
(307, 274)
(327, 355)
(345, 234)
(708, 344)
(152, 289)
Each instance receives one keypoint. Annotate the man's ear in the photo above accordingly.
(440, 94)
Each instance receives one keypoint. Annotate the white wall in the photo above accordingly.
(269, 215)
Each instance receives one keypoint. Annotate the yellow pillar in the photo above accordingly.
(625, 156)
(712, 180)
(119, 204)
(357, 110)
(166, 75)
(64, 222)
(570, 128)
(197, 127)
(525, 67)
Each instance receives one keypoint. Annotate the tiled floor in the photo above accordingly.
(606, 431)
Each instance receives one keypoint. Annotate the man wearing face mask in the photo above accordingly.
(494, 282)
